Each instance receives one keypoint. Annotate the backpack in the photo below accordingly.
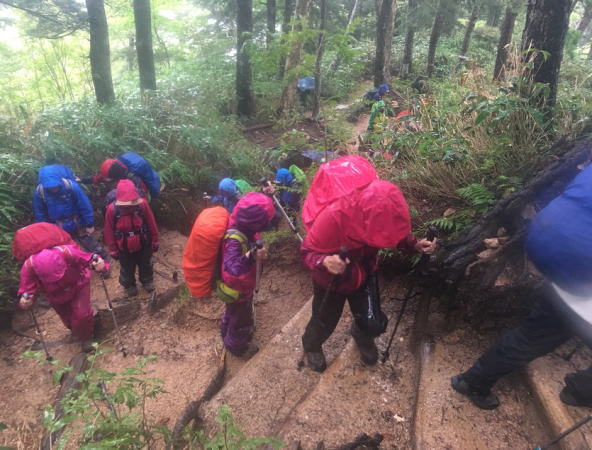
(41, 191)
(201, 254)
(336, 179)
(298, 174)
(131, 231)
(142, 168)
(36, 237)
(244, 187)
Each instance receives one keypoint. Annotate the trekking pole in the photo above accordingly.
(110, 308)
(431, 235)
(343, 251)
(48, 357)
(265, 182)
(258, 270)
(570, 430)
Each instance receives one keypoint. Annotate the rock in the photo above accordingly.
(501, 231)
(486, 253)
(448, 212)
(491, 243)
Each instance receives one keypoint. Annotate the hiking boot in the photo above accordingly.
(87, 346)
(569, 398)
(246, 354)
(480, 400)
(131, 291)
(316, 361)
(366, 346)
(149, 287)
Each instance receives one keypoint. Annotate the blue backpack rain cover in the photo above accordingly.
(142, 168)
(558, 241)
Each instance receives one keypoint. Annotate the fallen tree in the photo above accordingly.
(486, 268)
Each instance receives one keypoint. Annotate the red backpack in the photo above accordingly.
(36, 237)
(131, 230)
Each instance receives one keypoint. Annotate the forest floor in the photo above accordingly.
(408, 399)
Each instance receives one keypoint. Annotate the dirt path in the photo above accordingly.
(185, 338)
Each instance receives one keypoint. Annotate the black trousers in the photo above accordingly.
(91, 245)
(129, 261)
(543, 332)
(325, 317)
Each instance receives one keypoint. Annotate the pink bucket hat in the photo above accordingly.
(127, 194)
(49, 265)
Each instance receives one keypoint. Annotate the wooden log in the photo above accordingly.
(125, 311)
(262, 126)
(191, 411)
(160, 300)
(79, 363)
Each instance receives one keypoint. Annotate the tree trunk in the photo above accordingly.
(500, 279)
(244, 34)
(384, 42)
(100, 62)
(493, 16)
(316, 101)
(407, 63)
(435, 36)
(506, 31)
(470, 27)
(271, 18)
(131, 53)
(586, 19)
(545, 29)
(335, 63)
(143, 21)
(289, 6)
(288, 98)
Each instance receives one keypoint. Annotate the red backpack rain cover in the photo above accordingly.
(200, 257)
(36, 237)
(336, 179)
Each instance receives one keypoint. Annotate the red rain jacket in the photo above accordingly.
(365, 221)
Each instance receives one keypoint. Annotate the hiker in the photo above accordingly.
(287, 187)
(252, 214)
(368, 218)
(306, 87)
(59, 199)
(131, 166)
(132, 236)
(383, 108)
(376, 94)
(558, 245)
(63, 274)
(228, 194)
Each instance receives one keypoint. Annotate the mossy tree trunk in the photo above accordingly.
(244, 34)
(384, 41)
(144, 49)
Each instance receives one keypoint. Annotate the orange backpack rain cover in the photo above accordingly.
(200, 257)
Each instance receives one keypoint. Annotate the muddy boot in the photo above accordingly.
(131, 291)
(87, 346)
(569, 396)
(248, 353)
(480, 400)
(366, 346)
(149, 287)
(316, 361)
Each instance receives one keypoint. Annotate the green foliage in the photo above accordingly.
(478, 196)
(108, 410)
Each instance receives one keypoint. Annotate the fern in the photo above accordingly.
(477, 195)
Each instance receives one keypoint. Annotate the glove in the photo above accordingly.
(154, 248)
(115, 255)
(26, 301)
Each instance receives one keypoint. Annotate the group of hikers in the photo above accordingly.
(349, 214)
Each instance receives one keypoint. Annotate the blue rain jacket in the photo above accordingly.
(558, 240)
(69, 207)
(284, 178)
(142, 168)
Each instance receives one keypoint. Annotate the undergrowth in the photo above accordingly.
(108, 410)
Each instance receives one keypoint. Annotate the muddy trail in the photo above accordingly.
(407, 402)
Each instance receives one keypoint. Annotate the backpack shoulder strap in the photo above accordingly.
(232, 233)
(41, 192)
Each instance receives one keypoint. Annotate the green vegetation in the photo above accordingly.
(108, 410)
